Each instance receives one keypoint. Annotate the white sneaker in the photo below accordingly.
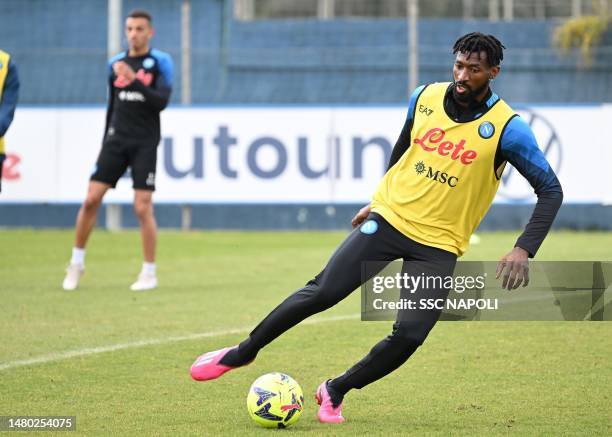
(73, 274)
(145, 281)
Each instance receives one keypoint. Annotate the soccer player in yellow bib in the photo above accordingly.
(9, 93)
(442, 177)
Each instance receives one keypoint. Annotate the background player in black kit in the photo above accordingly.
(140, 82)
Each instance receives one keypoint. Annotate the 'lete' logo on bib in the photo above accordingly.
(446, 148)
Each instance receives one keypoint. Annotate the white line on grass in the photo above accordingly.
(57, 356)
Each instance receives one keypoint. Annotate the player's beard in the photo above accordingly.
(470, 95)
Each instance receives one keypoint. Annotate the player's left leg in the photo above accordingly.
(143, 208)
(143, 165)
(374, 240)
(409, 332)
(110, 165)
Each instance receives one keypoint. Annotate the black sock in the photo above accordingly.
(232, 359)
(336, 395)
(239, 356)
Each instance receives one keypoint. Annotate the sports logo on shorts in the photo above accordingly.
(150, 179)
(369, 227)
(486, 129)
(148, 63)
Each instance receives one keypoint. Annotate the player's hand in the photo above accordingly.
(361, 216)
(516, 265)
(123, 70)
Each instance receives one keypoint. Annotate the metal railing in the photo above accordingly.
(494, 10)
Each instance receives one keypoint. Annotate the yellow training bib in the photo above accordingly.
(443, 185)
(4, 61)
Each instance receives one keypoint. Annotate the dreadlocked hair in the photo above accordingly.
(477, 42)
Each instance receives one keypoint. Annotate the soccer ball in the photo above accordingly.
(275, 400)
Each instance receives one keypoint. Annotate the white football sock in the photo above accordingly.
(148, 268)
(78, 256)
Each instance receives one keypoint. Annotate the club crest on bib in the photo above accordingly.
(486, 129)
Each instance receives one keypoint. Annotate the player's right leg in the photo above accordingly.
(375, 240)
(86, 220)
(111, 164)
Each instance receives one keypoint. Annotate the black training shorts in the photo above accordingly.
(117, 155)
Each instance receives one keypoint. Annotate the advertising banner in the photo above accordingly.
(278, 154)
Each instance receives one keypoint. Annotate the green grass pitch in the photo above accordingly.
(119, 360)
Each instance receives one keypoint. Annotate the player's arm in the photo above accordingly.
(111, 100)
(401, 145)
(9, 98)
(519, 147)
(156, 96)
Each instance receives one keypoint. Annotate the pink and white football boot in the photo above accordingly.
(327, 413)
(208, 366)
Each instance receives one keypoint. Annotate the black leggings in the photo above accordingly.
(341, 276)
